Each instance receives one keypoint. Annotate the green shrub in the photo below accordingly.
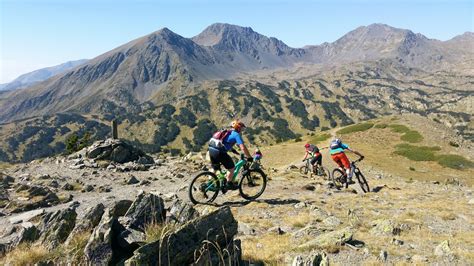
(411, 168)
(320, 137)
(381, 126)
(412, 136)
(399, 128)
(454, 161)
(355, 128)
(417, 153)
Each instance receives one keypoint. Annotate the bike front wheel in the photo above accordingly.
(304, 170)
(204, 188)
(252, 184)
(362, 182)
(338, 178)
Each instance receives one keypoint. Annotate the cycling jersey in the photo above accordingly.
(340, 149)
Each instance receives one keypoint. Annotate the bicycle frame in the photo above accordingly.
(238, 166)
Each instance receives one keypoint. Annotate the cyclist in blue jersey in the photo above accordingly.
(218, 153)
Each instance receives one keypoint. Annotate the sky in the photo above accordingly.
(41, 33)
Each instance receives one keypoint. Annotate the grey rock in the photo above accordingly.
(117, 151)
(36, 197)
(276, 229)
(332, 221)
(397, 242)
(383, 256)
(43, 176)
(335, 238)
(130, 237)
(419, 258)
(443, 249)
(245, 229)
(55, 227)
(132, 180)
(218, 227)
(91, 219)
(68, 187)
(88, 188)
(5, 180)
(26, 216)
(385, 227)
(181, 212)
(98, 250)
(53, 184)
(300, 205)
(147, 208)
(309, 230)
(316, 259)
(120, 208)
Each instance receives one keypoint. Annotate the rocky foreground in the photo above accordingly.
(78, 209)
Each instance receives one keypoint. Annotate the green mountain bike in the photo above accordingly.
(206, 185)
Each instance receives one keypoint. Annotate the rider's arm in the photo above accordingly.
(245, 150)
(356, 152)
(305, 155)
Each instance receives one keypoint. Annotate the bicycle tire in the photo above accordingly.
(195, 186)
(326, 174)
(362, 182)
(303, 170)
(248, 180)
(338, 178)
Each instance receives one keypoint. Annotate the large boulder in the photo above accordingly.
(147, 208)
(118, 151)
(316, 259)
(5, 180)
(384, 227)
(90, 220)
(98, 250)
(330, 239)
(55, 227)
(179, 247)
(181, 212)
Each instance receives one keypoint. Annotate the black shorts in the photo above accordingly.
(219, 157)
(317, 158)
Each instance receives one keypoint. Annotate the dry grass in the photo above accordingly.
(269, 249)
(298, 221)
(26, 254)
(75, 249)
(156, 231)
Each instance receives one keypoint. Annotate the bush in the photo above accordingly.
(381, 126)
(412, 137)
(417, 153)
(355, 128)
(454, 161)
(321, 137)
(399, 128)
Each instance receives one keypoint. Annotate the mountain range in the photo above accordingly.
(39, 75)
(169, 89)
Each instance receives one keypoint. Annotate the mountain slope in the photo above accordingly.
(39, 75)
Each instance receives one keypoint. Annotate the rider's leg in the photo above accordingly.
(347, 165)
(229, 165)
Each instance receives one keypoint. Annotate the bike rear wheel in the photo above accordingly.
(338, 178)
(362, 182)
(204, 188)
(252, 184)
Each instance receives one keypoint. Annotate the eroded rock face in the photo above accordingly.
(218, 227)
(90, 220)
(55, 227)
(147, 208)
(334, 238)
(181, 212)
(117, 151)
(98, 250)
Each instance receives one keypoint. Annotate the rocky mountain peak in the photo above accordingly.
(218, 32)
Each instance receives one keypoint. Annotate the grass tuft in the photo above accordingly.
(412, 136)
(155, 231)
(355, 128)
(454, 161)
(399, 128)
(269, 249)
(417, 153)
(75, 248)
(27, 254)
(381, 126)
(320, 137)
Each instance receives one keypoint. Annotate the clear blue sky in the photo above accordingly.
(40, 33)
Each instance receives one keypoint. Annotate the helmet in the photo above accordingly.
(307, 145)
(237, 125)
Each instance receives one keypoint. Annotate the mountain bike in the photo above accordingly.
(206, 185)
(319, 170)
(339, 177)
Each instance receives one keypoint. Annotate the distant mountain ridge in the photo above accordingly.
(33, 77)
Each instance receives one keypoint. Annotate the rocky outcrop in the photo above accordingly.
(178, 247)
(181, 212)
(147, 208)
(117, 151)
(316, 258)
(90, 220)
(55, 227)
(98, 250)
(32, 197)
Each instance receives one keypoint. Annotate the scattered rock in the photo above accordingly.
(68, 187)
(88, 188)
(332, 221)
(397, 242)
(383, 256)
(53, 184)
(443, 249)
(419, 258)
(43, 176)
(385, 227)
(31, 198)
(316, 258)
(471, 201)
(245, 229)
(275, 229)
(120, 208)
(309, 187)
(26, 216)
(90, 220)
(117, 151)
(132, 180)
(335, 238)
(300, 205)
(5, 180)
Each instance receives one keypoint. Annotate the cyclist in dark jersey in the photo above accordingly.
(313, 151)
(219, 155)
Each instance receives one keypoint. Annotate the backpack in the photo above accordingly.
(335, 144)
(314, 148)
(218, 137)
